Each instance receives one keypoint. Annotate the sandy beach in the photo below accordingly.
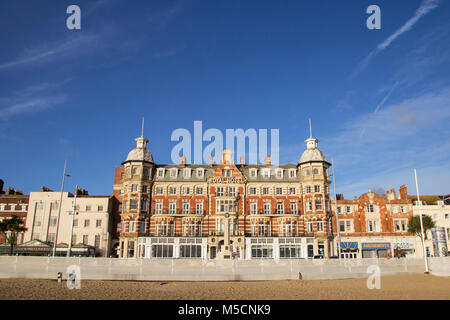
(418, 286)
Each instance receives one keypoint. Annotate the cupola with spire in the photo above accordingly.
(140, 153)
(312, 153)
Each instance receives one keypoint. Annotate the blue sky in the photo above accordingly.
(379, 99)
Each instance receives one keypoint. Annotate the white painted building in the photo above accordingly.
(439, 211)
(91, 227)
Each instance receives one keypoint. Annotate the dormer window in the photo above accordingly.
(266, 172)
(200, 173)
(279, 173)
(226, 173)
(292, 173)
(160, 173)
(253, 173)
(187, 173)
(173, 173)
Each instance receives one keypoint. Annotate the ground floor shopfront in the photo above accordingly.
(173, 247)
(377, 247)
(254, 248)
(279, 248)
(273, 247)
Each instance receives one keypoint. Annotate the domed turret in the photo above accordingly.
(140, 153)
(312, 153)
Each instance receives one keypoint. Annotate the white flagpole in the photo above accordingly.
(421, 224)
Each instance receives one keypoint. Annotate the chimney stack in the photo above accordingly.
(210, 160)
(182, 160)
(242, 160)
(403, 192)
(267, 161)
(394, 193)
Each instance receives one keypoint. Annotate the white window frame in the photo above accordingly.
(293, 207)
(132, 226)
(186, 173)
(280, 207)
(199, 207)
(253, 207)
(158, 207)
(186, 207)
(266, 207)
(279, 173)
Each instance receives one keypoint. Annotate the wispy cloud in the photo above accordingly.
(70, 46)
(32, 99)
(31, 105)
(398, 137)
(386, 97)
(425, 7)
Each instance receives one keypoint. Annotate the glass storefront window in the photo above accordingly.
(262, 251)
(162, 251)
(190, 251)
(287, 252)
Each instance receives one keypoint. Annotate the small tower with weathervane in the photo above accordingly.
(314, 176)
(135, 216)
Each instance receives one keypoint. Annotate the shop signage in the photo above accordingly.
(376, 246)
(404, 245)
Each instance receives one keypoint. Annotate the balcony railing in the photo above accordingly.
(221, 233)
(274, 212)
(179, 212)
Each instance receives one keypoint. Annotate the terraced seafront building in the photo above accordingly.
(197, 211)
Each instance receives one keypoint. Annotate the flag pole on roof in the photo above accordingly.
(310, 128)
(142, 132)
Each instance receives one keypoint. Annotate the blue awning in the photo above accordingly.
(349, 246)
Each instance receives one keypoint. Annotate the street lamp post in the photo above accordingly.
(60, 205)
(335, 210)
(421, 224)
(69, 250)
